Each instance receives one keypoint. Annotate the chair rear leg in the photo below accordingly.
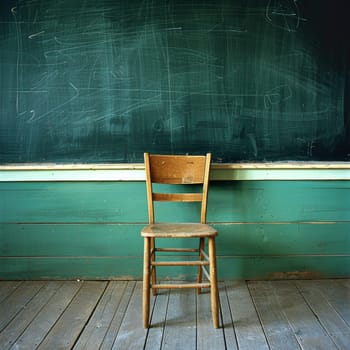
(201, 258)
(153, 268)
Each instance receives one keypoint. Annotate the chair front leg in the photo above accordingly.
(146, 282)
(214, 295)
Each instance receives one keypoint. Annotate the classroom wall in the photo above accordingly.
(91, 229)
(86, 82)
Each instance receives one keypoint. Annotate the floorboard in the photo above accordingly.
(131, 335)
(180, 323)
(249, 331)
(106, 315)
(118, 317)
(304, 323)
(47, 317)
(96, 329)
(8, 288)
(24, 317)
(159, 312)
(68, 327)
(334, 325)
(277, 329)
(16, 301)
(226, 319)
(338, 294)
(208, 338)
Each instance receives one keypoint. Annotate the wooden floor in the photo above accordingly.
(107, 315)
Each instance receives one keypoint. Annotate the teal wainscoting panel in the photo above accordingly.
(253, 267)
(71, 240)
(124, 240)
(89, 267)
(283, 239)
(279, 201)
(91, 230)
(284, 267)
(63, 202)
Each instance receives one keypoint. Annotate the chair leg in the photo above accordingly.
(214, 296)
(146, 282)
(201, 258)
(153, 268)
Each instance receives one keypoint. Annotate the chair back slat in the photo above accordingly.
(177, 197)
(177, 170)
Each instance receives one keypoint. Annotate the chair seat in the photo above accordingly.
(178, 230)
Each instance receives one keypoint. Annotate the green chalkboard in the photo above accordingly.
(103, 81)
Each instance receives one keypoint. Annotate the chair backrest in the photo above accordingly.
(177, 170)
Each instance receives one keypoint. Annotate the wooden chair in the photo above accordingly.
(178, 170)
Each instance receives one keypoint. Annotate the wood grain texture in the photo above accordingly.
(131, 335)
(304, 323)
(249, 332)
(24, 317)
(277, 329)
(36, 332)
(272, 315)
(180, 323)
(335, 326)
(96, 330)
(72, 321)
